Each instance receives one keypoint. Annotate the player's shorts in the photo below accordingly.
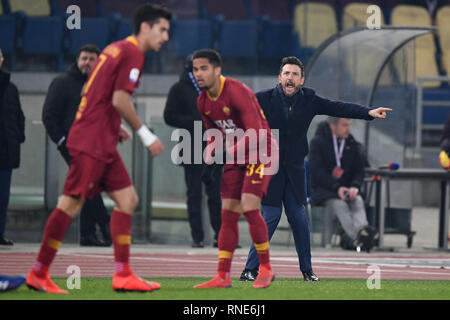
(88, 176)
(239, 179)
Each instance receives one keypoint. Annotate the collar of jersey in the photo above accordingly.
(222, 84)
(132, 40)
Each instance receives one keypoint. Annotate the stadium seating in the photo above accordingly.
(275, 10)
(35, 8)
(355, 14)
(238, 40)
(8, 28)
(190, 35)
(408, 15)
(51, 44)
(443, 23)
(124, 8)
(93, 30)
(277, 41)
(186, 9)
(124, 29)
(230, 9)
(88, 8)
(314, 23)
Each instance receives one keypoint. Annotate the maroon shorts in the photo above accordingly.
(88, 176)
(239, 179)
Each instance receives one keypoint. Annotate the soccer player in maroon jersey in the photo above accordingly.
(96, 164)
(228, 105)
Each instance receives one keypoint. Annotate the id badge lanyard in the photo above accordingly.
(338, 151)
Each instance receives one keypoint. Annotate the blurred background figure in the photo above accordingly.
(181, 112)
(12, 134)
(58, 114)
(337, 173)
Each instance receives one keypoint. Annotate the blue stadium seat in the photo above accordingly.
(93, 30)
(190, 35)
(124, 29)
(8, 29)
(43, 36)
(278, 40)
(238, 39)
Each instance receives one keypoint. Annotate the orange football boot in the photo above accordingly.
(216, 282)
(43, 284)
(265, 277)
(131, 282)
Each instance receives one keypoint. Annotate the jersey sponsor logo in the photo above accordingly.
(207, 113)
(226, 125)
(134, 75)
(256, 181)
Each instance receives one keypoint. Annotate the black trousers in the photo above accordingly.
(93, 211)
(193, 174)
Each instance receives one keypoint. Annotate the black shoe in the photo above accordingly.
(5, 242)
(367, 238)
(248, 275)
(197, 244)
(92, 241)
(310, 276)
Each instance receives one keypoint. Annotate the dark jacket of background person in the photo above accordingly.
(293, 142)
(322, 162)
(12, 123)
(181, 108)
(445, 139)
(61, 104)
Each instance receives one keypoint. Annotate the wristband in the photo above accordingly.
(146, 136)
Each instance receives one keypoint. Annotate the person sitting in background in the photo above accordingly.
(337, 172)
(12, 134)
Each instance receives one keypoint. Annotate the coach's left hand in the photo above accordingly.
(379, 113)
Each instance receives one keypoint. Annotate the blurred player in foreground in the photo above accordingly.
(230, 106)
(96, 164)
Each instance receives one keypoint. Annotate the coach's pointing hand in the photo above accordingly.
(379, 113)
(156, 148)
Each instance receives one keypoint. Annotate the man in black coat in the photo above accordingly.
(12, 134)
(337, 173)
(60, 107)
(181, 112)
(290, 108)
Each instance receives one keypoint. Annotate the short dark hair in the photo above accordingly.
(212, 55)
(92, 48)
(292, 60)
(150, 13)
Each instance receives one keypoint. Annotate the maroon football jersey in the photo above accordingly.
(235, 107)
(96, 127)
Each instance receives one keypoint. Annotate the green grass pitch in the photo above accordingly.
(281, 289)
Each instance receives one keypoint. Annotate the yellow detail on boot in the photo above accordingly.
(262, 246)
(225, 254)
(123, 239)
(53, 243)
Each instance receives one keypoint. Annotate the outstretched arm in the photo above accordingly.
(342, 109)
